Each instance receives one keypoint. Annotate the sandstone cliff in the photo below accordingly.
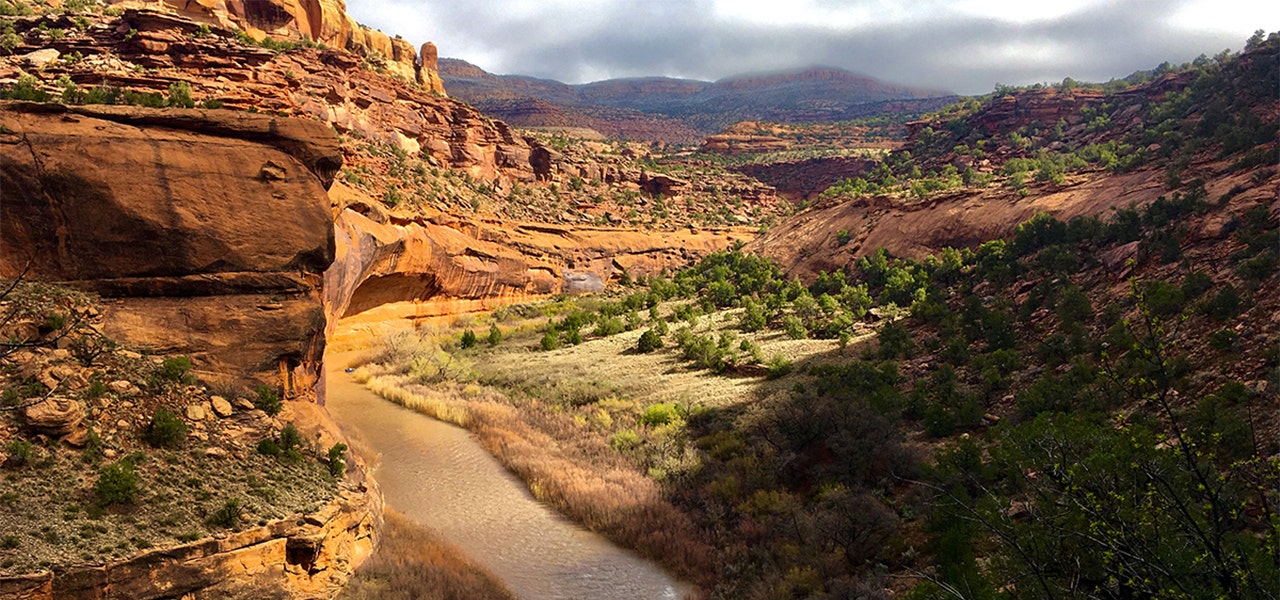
(147, 51)
(831, 235)
(393, 269)
(206, 230)
(321, 21)
(436, 142)
(811, 241)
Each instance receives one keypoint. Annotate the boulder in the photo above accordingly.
(221, 407)
(196, 412)
(56, 416)
(40, 58)
(659, 184)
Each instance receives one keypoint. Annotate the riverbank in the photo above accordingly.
(439, 476)
(414, 563)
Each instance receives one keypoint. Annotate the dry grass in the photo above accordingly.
(412, 562)
(604, 494)
(549, 418)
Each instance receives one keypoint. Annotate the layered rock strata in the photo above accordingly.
(205, 231)
(322, 21)
(391, 269)
(301, 557)
(148, 51)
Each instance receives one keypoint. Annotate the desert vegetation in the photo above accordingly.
(936, 438)
(1084, 408)
(1115, 130)
(105, 452)
(709, 196)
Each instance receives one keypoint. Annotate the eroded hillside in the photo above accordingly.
(972, 172)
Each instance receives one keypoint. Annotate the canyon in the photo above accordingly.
(255, 211)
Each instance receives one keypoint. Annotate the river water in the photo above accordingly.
(438, 475)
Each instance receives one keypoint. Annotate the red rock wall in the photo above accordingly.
(205, 231)
(809, 242)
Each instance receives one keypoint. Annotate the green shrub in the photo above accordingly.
(1224, 305)
(778, 366)
(625, 441)
(468, 339)
(228, 515)
(117, 483)
(550, 341)
(1195, 284)
(290, 438)
(20, 452)
(337, 460)
(661, 327)
(495, 335)
(180, 95)
(268, 400)
(649, 341)
(610, 326)
(1223, 339)
(753, 318)
(173, 370)
(663, 413)
(1259, 268)
(269, 447)
(166, 429)
(794, 327)
(1074, 306)
(1163, 298)
(895, 341)
(27, 88)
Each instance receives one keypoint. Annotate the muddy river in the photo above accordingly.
(438, 475)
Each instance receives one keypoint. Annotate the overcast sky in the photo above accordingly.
(967, 46)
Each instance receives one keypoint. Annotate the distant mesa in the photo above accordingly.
(684, 110)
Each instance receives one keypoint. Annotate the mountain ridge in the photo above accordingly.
(814, 93)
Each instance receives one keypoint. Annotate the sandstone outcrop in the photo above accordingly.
(57, 417)
(427, 269)
(1013, 111)
(322, 21)
(806, 179)
(745, 137)
(207, 231)
(302, 556)
(810, 242)
(334, 86)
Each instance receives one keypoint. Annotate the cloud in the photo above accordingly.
(966, 46)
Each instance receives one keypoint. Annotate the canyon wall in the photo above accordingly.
(321, 21)
(391, 269)
(836, 232)
(205, 232)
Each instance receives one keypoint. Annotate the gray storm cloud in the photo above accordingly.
(931, 48)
